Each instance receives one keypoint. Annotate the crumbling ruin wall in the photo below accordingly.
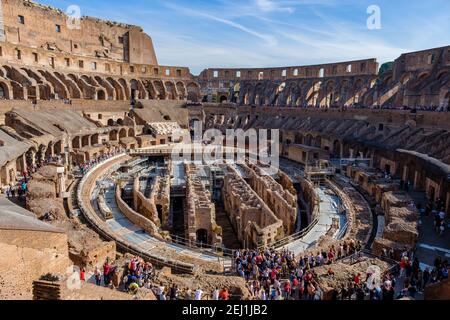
(310, 198)
(413, 146)
(255, 224)
(402, 219)
(135, 217)
(282, 202)
(86, 248)
(143, 205)
(438, 291)
(201, 212)
(26, 256)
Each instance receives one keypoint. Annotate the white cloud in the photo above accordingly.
(271, 6)
(268, 39)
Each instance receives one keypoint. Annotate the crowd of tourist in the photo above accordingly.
(273, 275)
(278, 275)
(413, 109)
(84, 167)
(138, 273)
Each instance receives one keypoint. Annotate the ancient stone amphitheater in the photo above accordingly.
(90, 123)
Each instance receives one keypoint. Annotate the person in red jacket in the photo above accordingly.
(223, 295)
(287, 290)
(82, 274)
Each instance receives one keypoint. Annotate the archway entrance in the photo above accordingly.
(160, 212)
(101, 95)
(3, 94)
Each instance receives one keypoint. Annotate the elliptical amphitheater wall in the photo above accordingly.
(414, 79)
(43, 58)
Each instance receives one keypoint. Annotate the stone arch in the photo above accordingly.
(49, 150)
(74, 90)
(106, 85)
(113, 135)
(111, 123)
(337, 148)
(131, 132)
(160, 90)
(193, 92)
(405, 78)
(202, 236)
(87, 79)
(5, 91)
(58, 147)
(171, 90)
(137, 90)
(151, 91)
(89, 91)
(41, 152)
(441, 76)
(85, 140)
(308, 139)
(126, 89)
(120, 91)
(60, 89)
(358, 90)
(328, 94)
(76, 143)
(181, 90)
(344, 91)
(95, 139)
(122, 133)
(312, 97)
(101, 94)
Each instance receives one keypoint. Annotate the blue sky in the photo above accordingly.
(269, 33)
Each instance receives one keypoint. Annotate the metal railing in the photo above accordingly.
(341, 233)
(202, 247)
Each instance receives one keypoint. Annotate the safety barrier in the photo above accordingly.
(294, 237)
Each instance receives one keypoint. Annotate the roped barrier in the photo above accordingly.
(294, 237)
(202, 247)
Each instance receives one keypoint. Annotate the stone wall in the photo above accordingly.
(438, 291)
(45, 57)
(413, 146)
(200, 211)
(26, 256)
(282, 202)
(416, 79)
(137, 219)
(255, 224)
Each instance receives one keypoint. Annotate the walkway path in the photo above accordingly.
(329, 210)
(124, 229)
(430, 245)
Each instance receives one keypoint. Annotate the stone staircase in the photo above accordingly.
(46, 290)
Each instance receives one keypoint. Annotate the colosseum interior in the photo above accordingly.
(89, 122)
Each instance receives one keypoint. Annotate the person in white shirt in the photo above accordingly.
(276, 284)
(263, 294)
(160, 292)
(215, 295)
(198, 294)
